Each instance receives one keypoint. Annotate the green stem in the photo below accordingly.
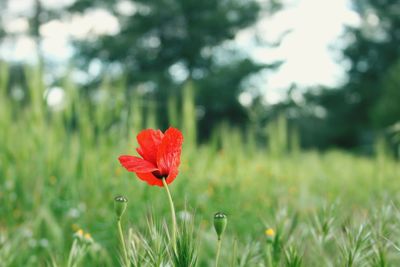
(234, 253)
(72, 253)
(218, 251)
(171, 204)
(269, 256)
(121, 237)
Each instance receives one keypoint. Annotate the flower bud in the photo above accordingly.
(88, 238)
(270, 234)
(220, 221)
(120, 203)
(79, 234)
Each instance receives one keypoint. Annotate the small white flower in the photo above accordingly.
(73, 213)
(184, 215)
(44, 243)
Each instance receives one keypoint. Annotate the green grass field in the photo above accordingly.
(59, 173)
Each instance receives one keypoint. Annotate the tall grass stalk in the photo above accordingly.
(72, 253)
(185, 254)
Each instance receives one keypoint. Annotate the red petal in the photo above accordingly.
(169, 152)
(172, 175)
(149, 141)
(140, 151)
(149, 178)
(135, 164)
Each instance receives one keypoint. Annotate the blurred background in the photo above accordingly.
(331, 69)
(286, 106)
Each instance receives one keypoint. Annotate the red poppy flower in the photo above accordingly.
(160, 152)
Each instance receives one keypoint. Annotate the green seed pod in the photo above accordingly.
(120, 203)
(220, 221)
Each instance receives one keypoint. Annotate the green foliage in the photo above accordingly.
(59, 172)
(186, 246)
(150, 249)
(189, 114)
(277, 136)
(8, 248)
(292, 258)
(354, 247)
(387, 109)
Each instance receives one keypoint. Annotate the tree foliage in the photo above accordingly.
(165, 43)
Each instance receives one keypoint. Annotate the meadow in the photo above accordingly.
(59, 175)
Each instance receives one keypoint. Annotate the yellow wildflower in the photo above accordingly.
(79, 233)
(270, 232)
(88, 238)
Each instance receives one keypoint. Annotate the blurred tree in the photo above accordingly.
(367, 101)
(2, 31)
(162, 44)
(372, 52)
(387, 109)
(37, 13)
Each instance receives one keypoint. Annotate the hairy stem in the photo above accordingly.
(121, 237)
(218, 252)
(171, 204)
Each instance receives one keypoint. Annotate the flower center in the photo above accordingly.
(159, 175)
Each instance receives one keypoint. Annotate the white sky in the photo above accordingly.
(315, 25)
